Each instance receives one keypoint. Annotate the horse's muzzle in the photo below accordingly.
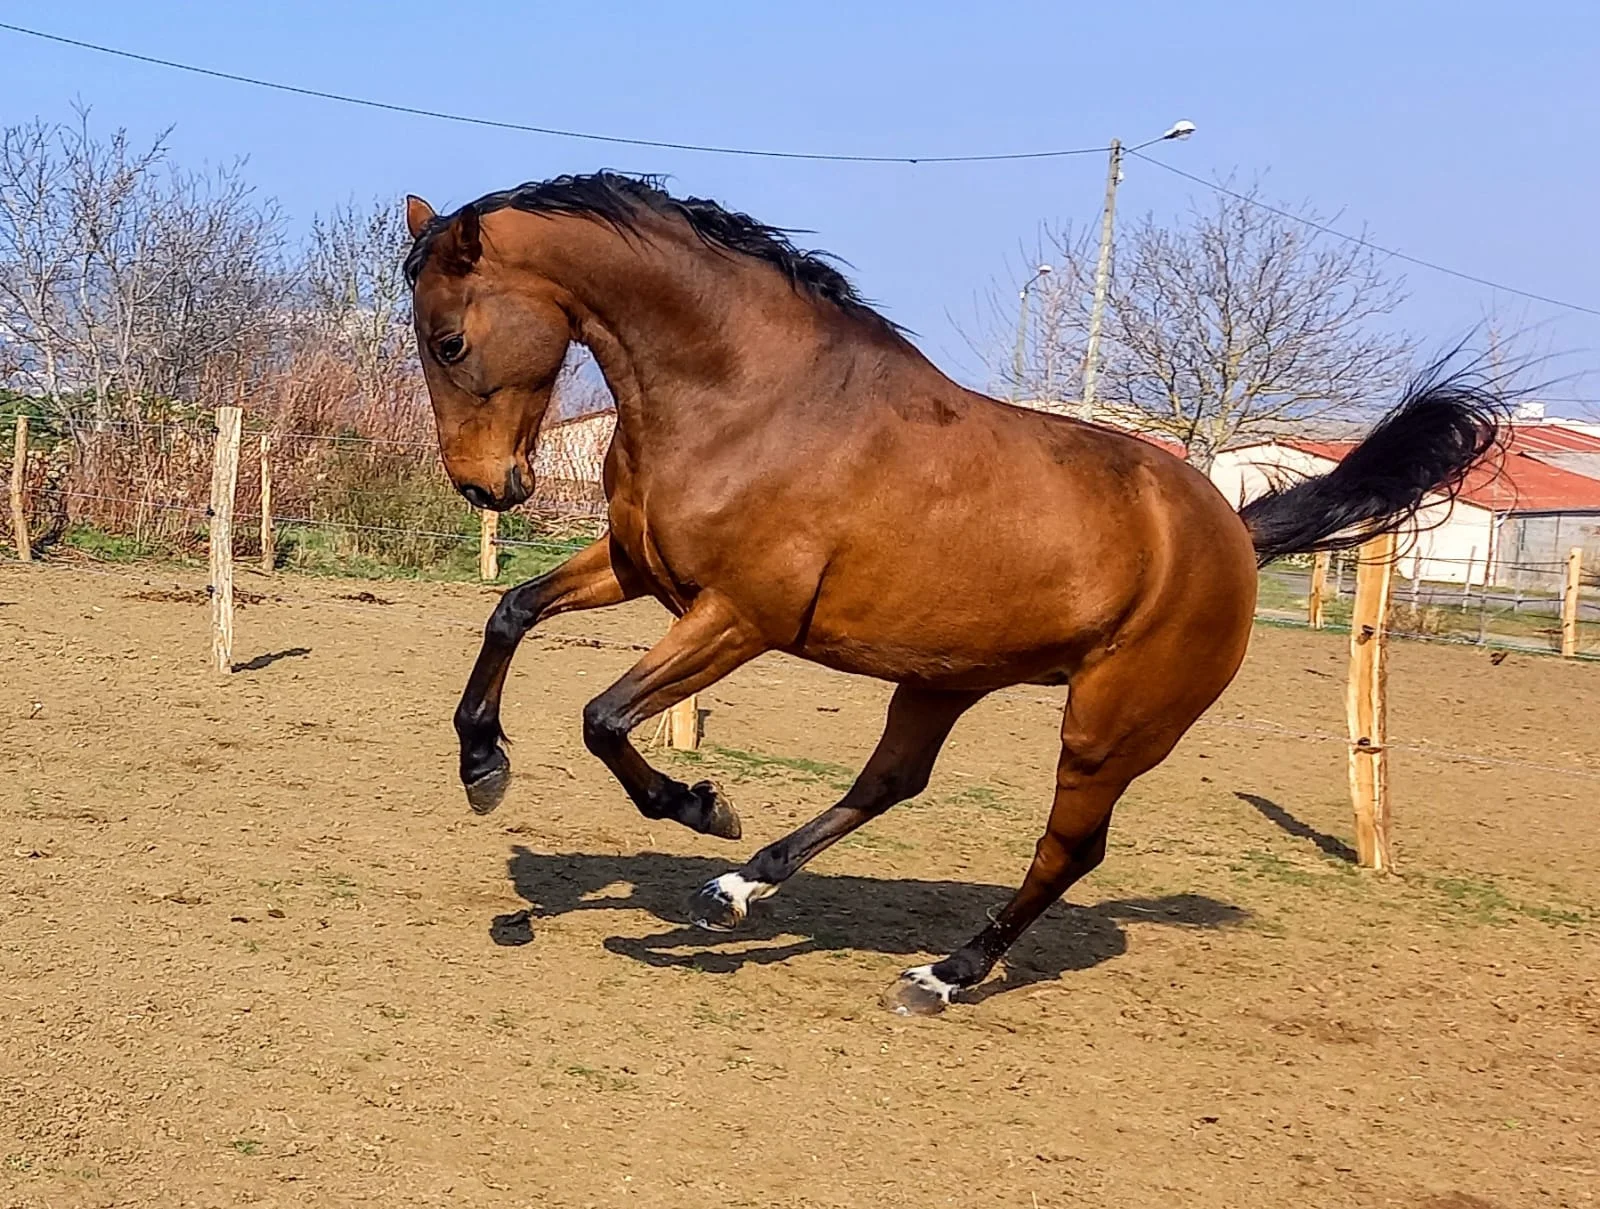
(516, 488)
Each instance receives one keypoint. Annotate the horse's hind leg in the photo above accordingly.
(1118, 723)
(702, 647)
(919, 721)
(593, 578)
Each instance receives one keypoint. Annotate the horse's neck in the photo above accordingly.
(695, 345)
(680, 352)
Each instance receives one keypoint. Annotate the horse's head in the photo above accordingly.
(492, 342)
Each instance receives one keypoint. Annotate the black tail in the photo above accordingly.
(1441, 429)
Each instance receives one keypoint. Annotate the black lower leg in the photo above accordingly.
(701, 807)
(919, 722)
(703, 645)
(971, 963)
(592, 578)
(485, 770)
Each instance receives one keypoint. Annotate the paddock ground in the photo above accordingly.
(255, 950)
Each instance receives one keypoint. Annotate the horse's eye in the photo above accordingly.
(450, 350)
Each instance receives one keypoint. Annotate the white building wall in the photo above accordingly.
(1243, 474)
(575, 452)
(1449, 544)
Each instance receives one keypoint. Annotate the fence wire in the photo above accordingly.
(1446, 605)
(384, 501)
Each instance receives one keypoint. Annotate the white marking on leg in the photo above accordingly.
(925, 978)
(741, 892)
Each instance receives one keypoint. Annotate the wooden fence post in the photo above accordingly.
(19, 512)
(683, 725)
(224, 477)
(1319, 585)
(1569, 603)
(1367, 701)
(269, 542)
(488, 552)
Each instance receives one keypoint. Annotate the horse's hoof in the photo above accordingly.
(721, 820)
(488, 790)
(714, 909)
(919, 993)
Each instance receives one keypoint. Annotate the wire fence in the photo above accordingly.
(1242, 725)
(1445, 605)
(340, 501)
(364, 505)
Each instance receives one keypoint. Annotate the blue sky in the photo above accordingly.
(1459, 132)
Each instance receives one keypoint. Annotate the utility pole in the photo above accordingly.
(1102, 280)
(1019, 357)
(1102, 273)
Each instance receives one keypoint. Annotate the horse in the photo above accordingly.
(789, 473)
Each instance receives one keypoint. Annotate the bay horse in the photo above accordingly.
(790, 474)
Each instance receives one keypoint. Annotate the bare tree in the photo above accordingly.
(36, 258)
(1241, 323)
(123, 280)
(358, 293)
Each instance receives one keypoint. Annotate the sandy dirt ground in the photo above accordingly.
(255, 950)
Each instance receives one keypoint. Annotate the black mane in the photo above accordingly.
(619, 201)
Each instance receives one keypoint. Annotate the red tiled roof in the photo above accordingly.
(1552, 438)
(1334, 451)
(1172, 447)
(1518, 482)
(1521, 483)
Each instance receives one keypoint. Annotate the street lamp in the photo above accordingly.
(1178, 131)
(1019, 357)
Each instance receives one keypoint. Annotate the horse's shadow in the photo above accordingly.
(829, 912)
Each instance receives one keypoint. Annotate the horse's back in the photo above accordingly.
(991, 542)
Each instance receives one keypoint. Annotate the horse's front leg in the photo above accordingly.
(596, 576)
(702, 647)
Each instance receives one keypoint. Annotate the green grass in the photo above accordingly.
(337, 888)
(248, 1146)
(1479, 899)
(107, 547)
(980, 797)
(1269, 866)
(735, 762)
(600, 1079)
(327, 551)
(1439, 620)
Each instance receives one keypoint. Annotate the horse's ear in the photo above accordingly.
(459, 245)
(469, 239)
(418, 212)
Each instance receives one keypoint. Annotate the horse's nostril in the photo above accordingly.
(517, 488)
(477, 496)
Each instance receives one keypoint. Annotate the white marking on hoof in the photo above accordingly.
(741, 892)
(925, 978)
(736, 893)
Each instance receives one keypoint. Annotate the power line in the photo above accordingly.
(767, 153)
(709, 149)
(1365, 243)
